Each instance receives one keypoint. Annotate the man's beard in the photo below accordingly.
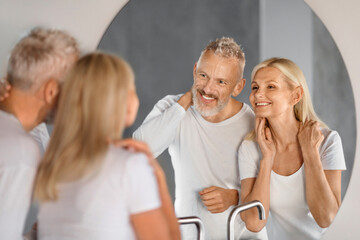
(207, 112)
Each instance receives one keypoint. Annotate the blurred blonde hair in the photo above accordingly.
(304, 109)
(92, 109)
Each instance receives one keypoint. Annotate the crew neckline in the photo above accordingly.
(226, 121)
(291, 175)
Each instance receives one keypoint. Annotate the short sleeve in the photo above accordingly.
(249, 159)
(141, 185)
(331, 151)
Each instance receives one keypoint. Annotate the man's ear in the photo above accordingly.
(132, 107)
(194, 70)
(51, 91)
(297, 95)
(239, 87)
(129, 114)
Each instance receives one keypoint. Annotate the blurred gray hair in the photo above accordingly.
(41, 55)
(227, 47)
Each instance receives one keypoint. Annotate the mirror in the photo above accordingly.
(162, 41)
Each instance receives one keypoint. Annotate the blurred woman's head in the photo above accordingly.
(95, 96)
(285, 77)
(97, 102)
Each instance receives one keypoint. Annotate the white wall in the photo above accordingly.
(87, 20)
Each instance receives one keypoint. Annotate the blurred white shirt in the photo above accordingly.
(19, 157)
(99, 205)
(41, 136)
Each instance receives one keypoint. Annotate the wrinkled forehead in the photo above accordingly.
(218, 66)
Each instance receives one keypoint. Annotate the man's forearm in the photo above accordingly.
(159, 127)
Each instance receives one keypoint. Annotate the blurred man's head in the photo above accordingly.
(38, 63)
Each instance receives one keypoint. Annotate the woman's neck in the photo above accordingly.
(284, 130)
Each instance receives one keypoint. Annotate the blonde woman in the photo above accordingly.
(88, 188)
(292, 162)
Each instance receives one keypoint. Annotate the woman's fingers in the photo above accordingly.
(257, 123)
(261, 126)
(268, 134)
(310, 134)
(134, 145)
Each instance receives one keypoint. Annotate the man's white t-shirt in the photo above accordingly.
(203, 154)
(99, 205)
(41, 135)
(19, 157)
(290, 217)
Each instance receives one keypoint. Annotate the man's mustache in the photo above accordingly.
(202, 92)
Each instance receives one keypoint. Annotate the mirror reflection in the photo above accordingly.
(162, 42)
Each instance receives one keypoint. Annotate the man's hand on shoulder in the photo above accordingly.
(4, 89)
(218, 199)
(186, 100)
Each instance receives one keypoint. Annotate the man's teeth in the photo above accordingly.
(207, 98)
(262, 104)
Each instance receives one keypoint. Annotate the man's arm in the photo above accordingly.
(159, 128)
(217, 199)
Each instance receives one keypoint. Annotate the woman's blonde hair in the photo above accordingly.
(304, 109)
(92, 109)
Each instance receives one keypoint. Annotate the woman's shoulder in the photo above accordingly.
(124, 158)
(249, 144)
(249, 148)
(330, 137)
(328, 132)
(249, 159)
(331, 150)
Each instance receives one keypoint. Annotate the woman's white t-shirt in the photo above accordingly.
(290, 217)
(99, 206)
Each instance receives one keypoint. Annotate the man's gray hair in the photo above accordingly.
(41, 55)
(227, 47)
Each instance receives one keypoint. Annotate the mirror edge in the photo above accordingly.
(340, 18)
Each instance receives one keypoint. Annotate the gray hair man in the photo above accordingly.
(203, 129)
(35, 71)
